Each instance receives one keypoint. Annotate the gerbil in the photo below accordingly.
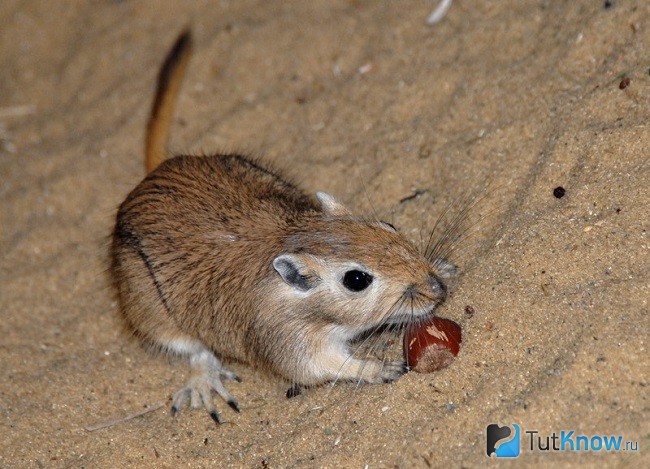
(216, 256)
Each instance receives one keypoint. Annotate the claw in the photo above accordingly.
(215, 416)
(234, 405)
(226, 374)
(293, 391)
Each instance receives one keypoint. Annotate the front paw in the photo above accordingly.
(390, 371)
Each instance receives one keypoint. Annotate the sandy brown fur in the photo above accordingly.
(218, 256)
(174, 226)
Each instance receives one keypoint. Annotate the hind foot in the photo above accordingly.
(207, 376)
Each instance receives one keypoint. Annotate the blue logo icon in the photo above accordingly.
(502, 441)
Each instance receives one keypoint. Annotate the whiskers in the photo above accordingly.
(375, 345)
(378, 346)
(377, 354)
(451, 229)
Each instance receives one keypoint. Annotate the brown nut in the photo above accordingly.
(432, 345)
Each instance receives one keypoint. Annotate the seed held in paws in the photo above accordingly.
(432, 345)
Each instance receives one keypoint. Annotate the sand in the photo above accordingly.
(509, 99)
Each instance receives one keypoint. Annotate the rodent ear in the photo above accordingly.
(294, 271)
(444, 269)
(331, 206)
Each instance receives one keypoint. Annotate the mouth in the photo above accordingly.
(407, 318)
(396, 323)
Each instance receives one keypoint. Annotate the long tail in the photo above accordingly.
(169, 83)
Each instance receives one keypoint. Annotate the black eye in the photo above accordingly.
(356, 280)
